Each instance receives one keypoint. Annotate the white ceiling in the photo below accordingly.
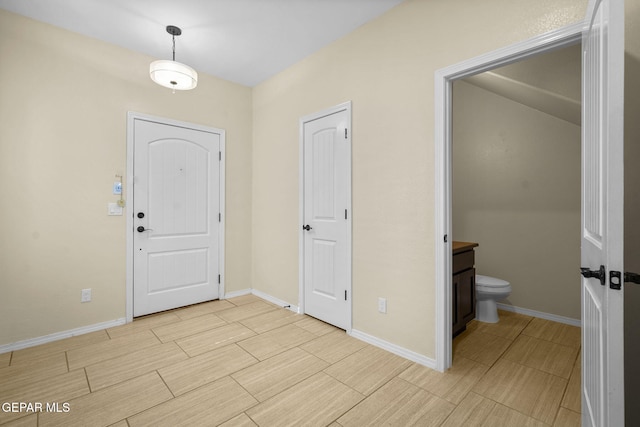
(244, 41)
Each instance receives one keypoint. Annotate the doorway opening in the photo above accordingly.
(444, 80)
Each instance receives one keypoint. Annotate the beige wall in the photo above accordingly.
(386, 68)
(63, 106)
(516, 191)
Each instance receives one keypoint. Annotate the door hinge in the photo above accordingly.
(632, 278)
(218, 279)
(345, 133)
(345, 214)
(345, 295)
(219, 156)
(219, 217)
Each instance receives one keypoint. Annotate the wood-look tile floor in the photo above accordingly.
(246, 362)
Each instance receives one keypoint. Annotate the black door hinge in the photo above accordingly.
(220, 156)
(345, 295)
(219, 217)
(345, 214)
(218, 279)
(345, 133)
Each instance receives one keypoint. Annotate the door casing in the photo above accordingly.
(444, 79)
(346, 106)
(130, 180)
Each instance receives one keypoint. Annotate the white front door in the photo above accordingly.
(176, 214)
(602, 215)
(326, 216)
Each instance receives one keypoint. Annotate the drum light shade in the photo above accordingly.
(173, 75)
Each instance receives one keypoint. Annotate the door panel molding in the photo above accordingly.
(130, 180)
(344, 107)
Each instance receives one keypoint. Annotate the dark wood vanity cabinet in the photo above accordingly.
(464, 285)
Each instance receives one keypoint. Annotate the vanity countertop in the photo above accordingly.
(458, 247)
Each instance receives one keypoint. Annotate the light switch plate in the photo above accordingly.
(117, 188)
(114, 209)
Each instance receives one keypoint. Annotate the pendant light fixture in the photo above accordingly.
(172, 74)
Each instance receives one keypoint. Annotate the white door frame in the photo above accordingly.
(130, 179)
(346, 106)
(444, 79)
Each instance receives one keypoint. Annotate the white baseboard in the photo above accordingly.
(276, 301)
(541, 315)
(236, 293)
(61, 335)
(395, 349)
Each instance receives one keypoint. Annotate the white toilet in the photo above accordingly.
(489, 291)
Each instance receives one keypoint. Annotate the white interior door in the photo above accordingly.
(602, 215)
(176, 216)
(326, 260)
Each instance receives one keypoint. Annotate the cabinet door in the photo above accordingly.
(467, 296)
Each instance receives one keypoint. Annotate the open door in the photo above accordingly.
(602, 214)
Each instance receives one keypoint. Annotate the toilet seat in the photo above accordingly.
(491, 284)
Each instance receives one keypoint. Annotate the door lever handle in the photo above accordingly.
(596, 274)
(141, 229)
(307, 227)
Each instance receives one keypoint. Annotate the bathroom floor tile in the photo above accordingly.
(241, 420)
(190, 374)
(214, 338)
(572, 397)
(111, 404)
(246, 311)
(315, 326)
(36, 370)
(544, 355)
(452, 385)
(270, 320)
(333, 346)
(567, 418)
(510, 325)
(368, 369)
(245, 362)
(5, 359)
(276, 341)
(188, 327)
(558, 333)
(481, 347)
(203, 308)
(479, 411)
(209, 405)
(144, 323)
(104, 350)
(316, 401)
(113, 371)
(270, 377)
(527, 390)
(60, 388)
(31, 353)
(398, 403)
(244, 299)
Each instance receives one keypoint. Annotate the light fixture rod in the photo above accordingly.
(174, 31)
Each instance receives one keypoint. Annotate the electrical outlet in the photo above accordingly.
(382, 305)
(86, 295)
